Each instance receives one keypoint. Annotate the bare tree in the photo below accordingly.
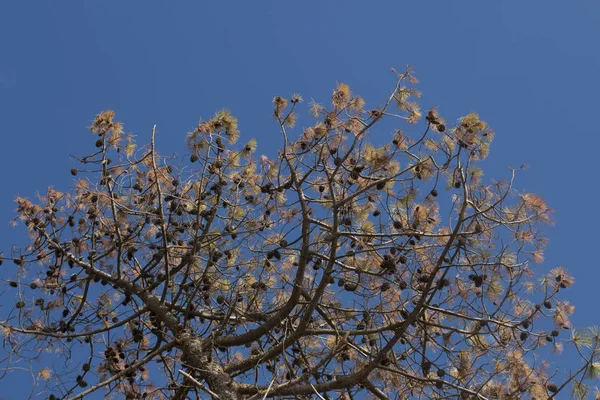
(343, 267)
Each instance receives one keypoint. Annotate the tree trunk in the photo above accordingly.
(197, 353)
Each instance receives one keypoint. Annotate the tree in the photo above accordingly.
(340, 267)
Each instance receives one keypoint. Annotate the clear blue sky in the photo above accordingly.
(529, 68)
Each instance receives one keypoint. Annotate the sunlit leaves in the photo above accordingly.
(580, 390)
(341, 96)
(223, 123)
(105, 127)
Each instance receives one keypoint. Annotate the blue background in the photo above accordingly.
(530, 68)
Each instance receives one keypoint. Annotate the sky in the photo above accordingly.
(531, 69)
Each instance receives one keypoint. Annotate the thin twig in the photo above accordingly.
(197, 383)
(317, 393)
(268, 389)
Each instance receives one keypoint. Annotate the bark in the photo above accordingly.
(197, 353)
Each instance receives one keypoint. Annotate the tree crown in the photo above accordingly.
(338, 267)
